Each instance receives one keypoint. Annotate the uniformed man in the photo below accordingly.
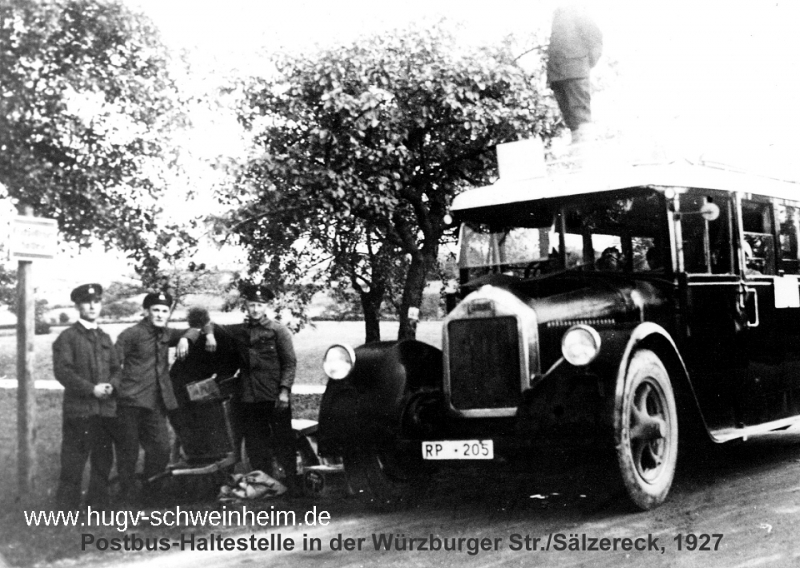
(262, 403)
(84, 361)
(145, 392)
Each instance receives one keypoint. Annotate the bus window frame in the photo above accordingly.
(769, 205)
(728, 215)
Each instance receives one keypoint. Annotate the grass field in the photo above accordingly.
(21, 545)
(309, 344)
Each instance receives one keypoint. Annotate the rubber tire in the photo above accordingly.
(379, 481)
(647, 460)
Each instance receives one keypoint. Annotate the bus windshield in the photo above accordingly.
(613, 231)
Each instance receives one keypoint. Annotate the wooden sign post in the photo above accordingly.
(31, 238)
(26, 390)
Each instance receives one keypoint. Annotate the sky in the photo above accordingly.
(701, 78)
(708, 75)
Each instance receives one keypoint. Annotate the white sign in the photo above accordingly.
(787, 293)
(523, 159)
(33, 238)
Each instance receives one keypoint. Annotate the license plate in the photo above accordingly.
(458, 450)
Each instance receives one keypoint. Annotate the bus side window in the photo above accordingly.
(788, 219)
(720, 232)
(706, 244)
(757, 225)
(693, 229)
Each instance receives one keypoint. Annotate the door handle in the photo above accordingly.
(751, 292)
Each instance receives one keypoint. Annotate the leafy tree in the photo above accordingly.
(87, 102)
(196, 278)
(118, 290)
(121, 309)
(8, 287)
(341, 255)
(359, 149)
(41, 326)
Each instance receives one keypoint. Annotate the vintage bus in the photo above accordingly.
(622, 309)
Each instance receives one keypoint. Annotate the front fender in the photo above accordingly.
(652, 336)
(366, 408)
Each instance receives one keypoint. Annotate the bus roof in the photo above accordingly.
(599, 179)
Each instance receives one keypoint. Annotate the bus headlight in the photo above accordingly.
(580, 345)
(338, 361)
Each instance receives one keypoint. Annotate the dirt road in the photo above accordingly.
(750, 495)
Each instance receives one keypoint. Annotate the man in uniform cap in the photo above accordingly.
(84, 361)
(145, 392)
(262, 404)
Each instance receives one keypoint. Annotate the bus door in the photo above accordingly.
(711, 318)
(771, 301)
(787, 294)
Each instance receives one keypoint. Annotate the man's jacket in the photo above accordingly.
(576, 44)
(267, 359)
(83, 358)
(144, 352)
(200, 364)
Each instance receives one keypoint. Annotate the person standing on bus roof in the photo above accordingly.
(576, 44)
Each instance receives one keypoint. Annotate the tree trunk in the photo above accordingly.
(412, 292)
(371, 305)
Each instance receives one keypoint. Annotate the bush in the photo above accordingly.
(63, 318)
(41, 327)
(432, 306)
(341, 312)
(121, 309)
(348, 308)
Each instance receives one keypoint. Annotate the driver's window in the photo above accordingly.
(788, 220)
(706, 243)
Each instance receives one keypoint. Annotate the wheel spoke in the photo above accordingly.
(657, 459)
(648, 428)
(655, 450)
(638, 451)
(645, 426)
(642, 396)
